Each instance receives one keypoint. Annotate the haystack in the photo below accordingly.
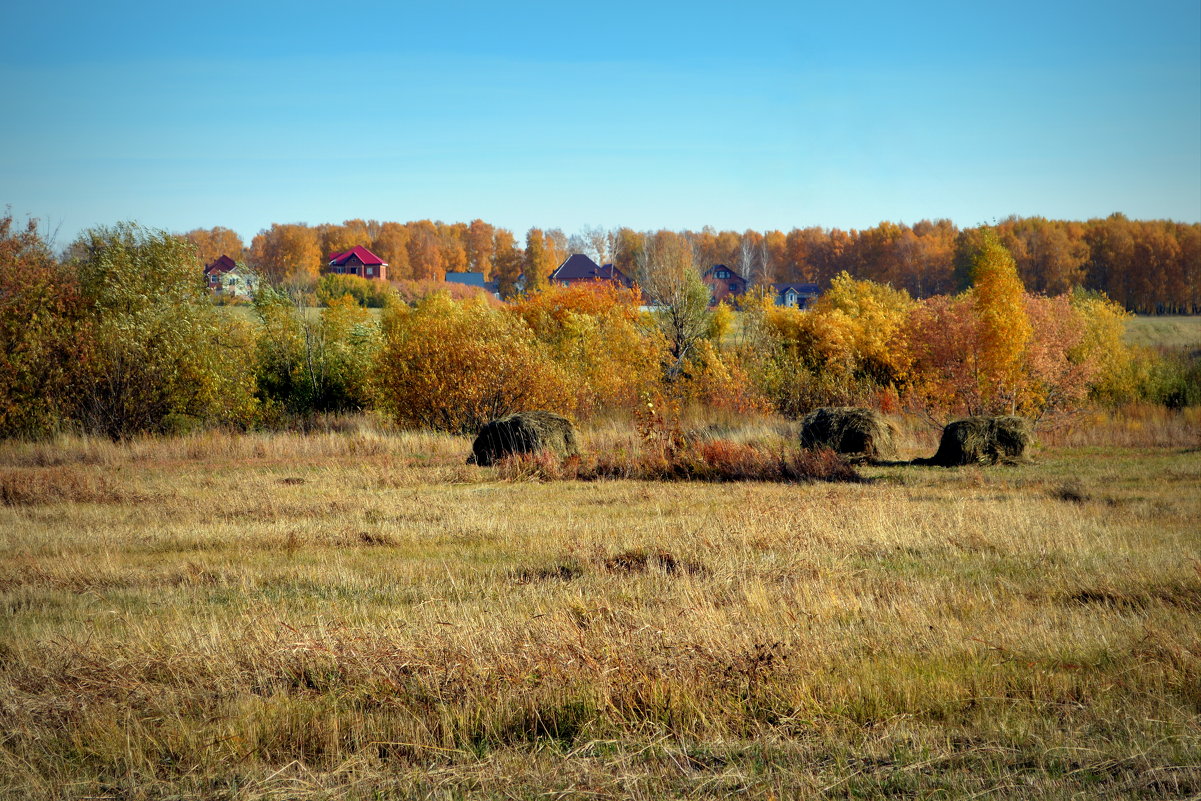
(859, 433)
(524, 432)
(983, 440)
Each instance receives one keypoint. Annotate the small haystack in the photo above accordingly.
(859, 433)
(524, 432)
(983, 440)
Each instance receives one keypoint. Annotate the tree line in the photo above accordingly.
(119, 337)
(1148, 266)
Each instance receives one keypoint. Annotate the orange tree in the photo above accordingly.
(1071, 347)
(455, 366)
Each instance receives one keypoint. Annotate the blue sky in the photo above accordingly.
(750, 115)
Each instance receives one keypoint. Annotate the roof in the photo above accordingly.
(578, 267)
(800, 289)
(220, 265)
(716, 267)
(364, 255)
(471, 279)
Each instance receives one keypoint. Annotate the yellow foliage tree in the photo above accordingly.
(855, 329)
(595, 333)
(287, 253)
(456, 366)
(1004, 327)
(539, 260)
(1103, 341)
(213, 243)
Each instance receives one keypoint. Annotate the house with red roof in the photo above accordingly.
(216, 269)
(358, 261)
(578, 268)
(723, 283)
(226, 277)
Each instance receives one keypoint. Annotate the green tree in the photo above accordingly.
(160, 354)
(315, 363)
(670, 280)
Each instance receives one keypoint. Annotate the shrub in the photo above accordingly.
(310, 364)
(596, 334)
(413, 291)
(1075, 347)
(845, 352)
(455, 366)
(365, 291)
(42, 334)
(157, 349)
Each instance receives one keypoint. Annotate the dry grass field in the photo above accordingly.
(361, 615)
(1173, 332)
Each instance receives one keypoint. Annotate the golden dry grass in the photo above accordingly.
(1166, 331)
(361, 615)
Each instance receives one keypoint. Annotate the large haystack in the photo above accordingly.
(858, 433)
(983, 440)
(524, 432)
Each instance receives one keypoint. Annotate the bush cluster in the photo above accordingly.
(120, 337)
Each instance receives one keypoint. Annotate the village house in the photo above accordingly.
(477, 279)
(226, 277)
(723, 283)
(578, 268)
(358, 261)
(800, 296)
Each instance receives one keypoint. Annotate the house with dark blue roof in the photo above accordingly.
(800, 296)
(578, 268)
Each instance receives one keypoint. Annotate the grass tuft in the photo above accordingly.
(717, 460)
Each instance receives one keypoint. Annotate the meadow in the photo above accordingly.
(356, 613)
(1167, 331)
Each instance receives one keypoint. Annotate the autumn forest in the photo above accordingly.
(1149, 266)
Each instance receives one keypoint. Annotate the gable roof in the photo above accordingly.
(578, 267)
(364, 255)
(800, 289)
(733, 273)
(219, 265)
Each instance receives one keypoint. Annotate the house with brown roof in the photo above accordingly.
(358, 261)
(724, 283)
(578, 268)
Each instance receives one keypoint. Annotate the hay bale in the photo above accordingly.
(858, 433)
(524, 432)
(983, 440)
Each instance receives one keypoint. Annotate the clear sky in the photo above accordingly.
(558, 114)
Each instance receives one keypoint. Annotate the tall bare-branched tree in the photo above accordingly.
(671, 281)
